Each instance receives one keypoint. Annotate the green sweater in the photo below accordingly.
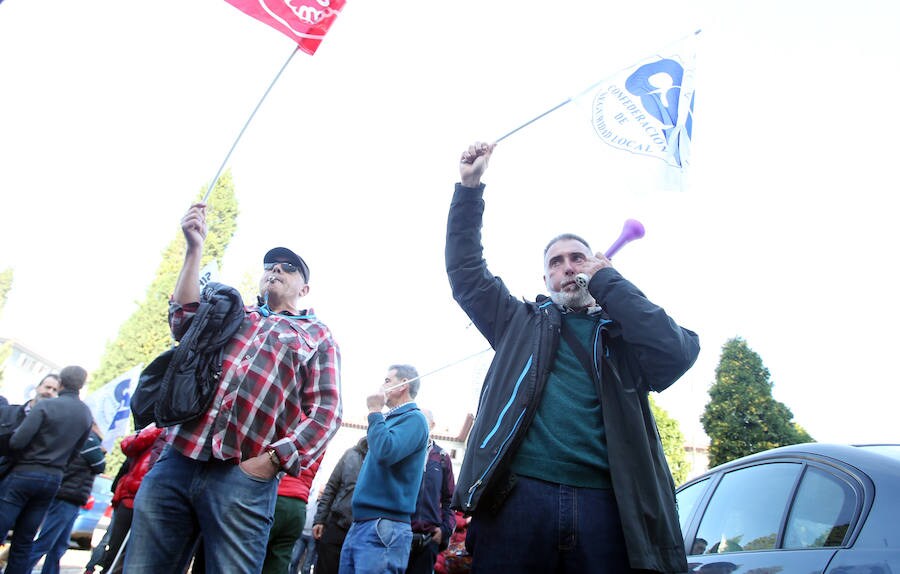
(566, 442)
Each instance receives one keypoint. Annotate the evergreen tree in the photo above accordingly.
(742, 417)
(6, 280)
(145, 334)
(672, 441)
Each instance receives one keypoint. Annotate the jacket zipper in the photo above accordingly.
(506, 439)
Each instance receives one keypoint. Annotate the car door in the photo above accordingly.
(772, 516)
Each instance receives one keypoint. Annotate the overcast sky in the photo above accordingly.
(114, 114)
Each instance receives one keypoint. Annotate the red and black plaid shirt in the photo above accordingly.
(279, 389)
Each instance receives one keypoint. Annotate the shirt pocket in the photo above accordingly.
(297, 345)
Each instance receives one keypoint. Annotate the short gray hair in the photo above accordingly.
(564, 237)
(408, 372)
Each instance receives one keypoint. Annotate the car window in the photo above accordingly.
(823, 509)
(686, 499)
(747, 508)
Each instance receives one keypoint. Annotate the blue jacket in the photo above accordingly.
(389, 480)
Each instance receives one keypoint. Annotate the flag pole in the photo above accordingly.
(582, 92)
(215, 180)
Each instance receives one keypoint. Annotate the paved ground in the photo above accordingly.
(72, 562)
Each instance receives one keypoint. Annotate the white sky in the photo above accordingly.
(114, 114)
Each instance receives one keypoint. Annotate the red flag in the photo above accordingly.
(304, 21)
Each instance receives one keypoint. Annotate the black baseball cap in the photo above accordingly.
(283, 254)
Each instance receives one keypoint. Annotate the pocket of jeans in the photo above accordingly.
(385, 530)
(253, 477)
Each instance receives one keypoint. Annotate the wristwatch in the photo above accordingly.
(274, 459)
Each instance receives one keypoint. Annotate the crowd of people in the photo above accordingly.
(563, 471)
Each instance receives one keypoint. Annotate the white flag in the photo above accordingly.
(111, 406)
(648, 108)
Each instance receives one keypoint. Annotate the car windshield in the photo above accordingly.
(891, 450)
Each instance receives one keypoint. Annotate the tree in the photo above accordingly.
(145, 334)
(742, 417)
(6, 280)
(672, 442)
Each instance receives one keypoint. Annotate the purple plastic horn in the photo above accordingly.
(633, 229)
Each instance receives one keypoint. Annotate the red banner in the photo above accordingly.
(304, 21)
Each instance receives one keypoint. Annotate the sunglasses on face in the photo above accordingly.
(286, 267)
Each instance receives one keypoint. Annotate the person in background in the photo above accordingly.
(52, 432)
(11, 416)
(141, 450)
(290, 515)
(385, 496)
(434, 521)
(74, 491)
(304, 554)
(334, 514)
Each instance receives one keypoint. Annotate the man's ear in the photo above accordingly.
(303, 290)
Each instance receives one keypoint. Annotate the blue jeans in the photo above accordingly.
(23, 504)
(544, 528)
(181, 498)
(304, 554)
(54, 537)
(377, 546)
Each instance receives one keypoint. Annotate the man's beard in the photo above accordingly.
(572, 299)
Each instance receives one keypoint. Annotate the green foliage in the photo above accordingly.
(6, 281)
(145, 334)
(672, 441)
(249, 287)
(6, 350)
(115, 458)
(742, 417)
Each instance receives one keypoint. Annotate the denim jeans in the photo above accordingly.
(377, 546)
(546, 528)
(304, 553)
(181, 498)
(23, 504)
(54, 537)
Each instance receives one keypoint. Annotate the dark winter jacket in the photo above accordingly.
(179, 384)
(640, 349)
(333, 508)
(78, 477)
(51, 434)
(433, 504)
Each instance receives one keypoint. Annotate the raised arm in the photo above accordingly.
(193, 225)
(483, 297)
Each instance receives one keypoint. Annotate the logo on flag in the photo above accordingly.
(648, 108)
(304, 21)
(111, 406)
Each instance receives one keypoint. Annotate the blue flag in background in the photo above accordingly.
(111, 406)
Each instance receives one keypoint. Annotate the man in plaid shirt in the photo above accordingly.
(276, 407)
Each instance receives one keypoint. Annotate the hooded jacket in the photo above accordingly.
(638, 349)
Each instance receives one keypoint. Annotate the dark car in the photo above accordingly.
(804, 508)
(89, 514)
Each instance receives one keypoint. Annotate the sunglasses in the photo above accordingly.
(286, 267)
